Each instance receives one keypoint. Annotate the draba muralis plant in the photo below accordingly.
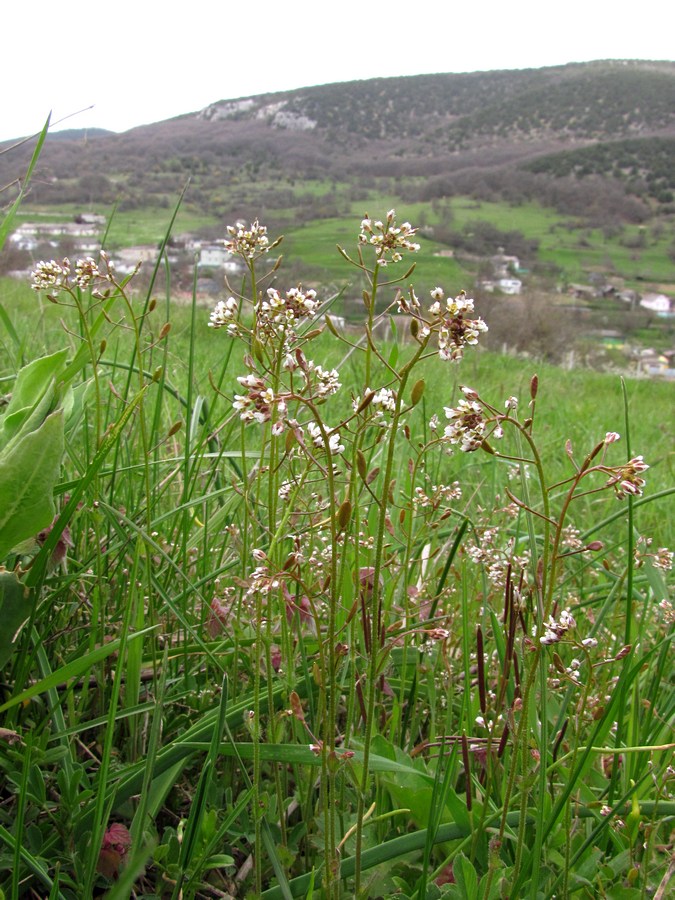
(349, 538)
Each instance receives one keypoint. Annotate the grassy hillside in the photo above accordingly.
(292, 611)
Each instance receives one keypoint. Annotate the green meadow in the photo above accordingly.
(638, 254)
(296, 612)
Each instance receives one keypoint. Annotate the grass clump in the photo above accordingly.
(329, 622)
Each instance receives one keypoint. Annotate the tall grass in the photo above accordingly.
(313, 619)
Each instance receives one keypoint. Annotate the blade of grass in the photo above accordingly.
(6, 224)
(73, 669)
(29, 860)
(199, 800)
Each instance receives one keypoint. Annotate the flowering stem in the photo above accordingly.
(371, 319)
(376, 607)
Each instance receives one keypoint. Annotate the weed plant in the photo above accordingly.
(335, 624)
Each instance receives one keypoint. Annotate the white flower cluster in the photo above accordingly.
(385, 399)
(256, 405)
(334, 443)
(262, 581)
(50, 276)
(280, 314)
(86, 272)
(436, 495)
(388, 238)
(247, 242)
(627, 479)
(325, 382)
(225, 313)
(455, 329)
(555, 631)
(663, 559)
(467, 425)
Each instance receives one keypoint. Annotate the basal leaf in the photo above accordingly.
(27, 478)
(15, 609)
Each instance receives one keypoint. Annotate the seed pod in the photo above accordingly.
(296, 707)
(367, 400)
(152, 304)
(417, 392)
(157, 374)
(559, 664)
(331, 326)
(257, 348)
(372, 475)
(344, 515)
(534, 386)
(174, 428)
(414, 327)
(166, 328)
(361, 465)
(594, 546)
(596, 450)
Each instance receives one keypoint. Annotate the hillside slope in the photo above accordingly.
(444, 126)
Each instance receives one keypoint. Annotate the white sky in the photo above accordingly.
(144, 61)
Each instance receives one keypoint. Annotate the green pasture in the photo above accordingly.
(126, 228)
(570, 246)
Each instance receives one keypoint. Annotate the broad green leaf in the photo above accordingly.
(31, 384)
(465, 877)
(27, 477)
(412, 787)
(15, 608)
(22, 421)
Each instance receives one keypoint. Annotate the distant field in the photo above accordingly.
(635, 253)
(129, 227)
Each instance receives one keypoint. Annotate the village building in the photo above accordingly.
(657, 303)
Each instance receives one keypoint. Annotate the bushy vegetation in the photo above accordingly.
(299, 611)
(645, 165)
(462, 133)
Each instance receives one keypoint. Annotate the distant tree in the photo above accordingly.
(529, 324)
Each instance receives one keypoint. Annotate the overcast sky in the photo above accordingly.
(144, 61)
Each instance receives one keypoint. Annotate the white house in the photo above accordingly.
(510, 285)
(213, 255)
(658, 303)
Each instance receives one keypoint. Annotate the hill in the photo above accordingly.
(488, 133)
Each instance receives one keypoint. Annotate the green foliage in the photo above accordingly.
(31, 448)
(645, 165)
(294, 648)
(14, 610)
